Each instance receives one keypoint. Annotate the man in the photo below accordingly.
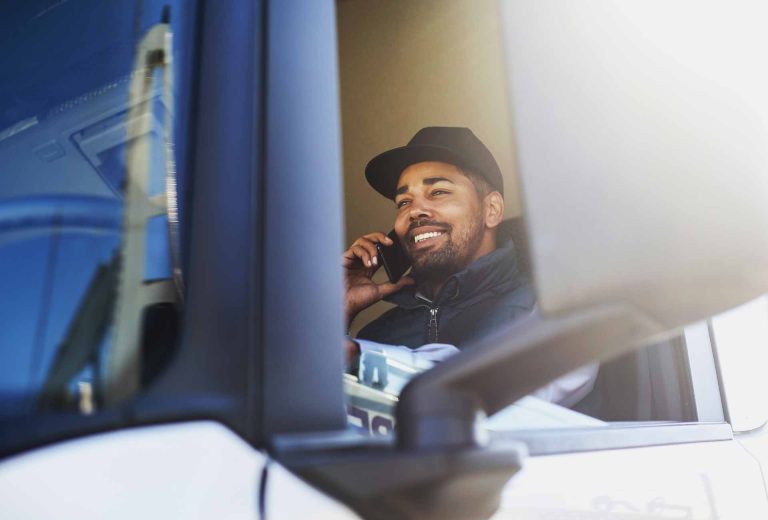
(465, 280)
(448, 193)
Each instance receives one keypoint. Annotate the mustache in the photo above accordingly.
(427, 222)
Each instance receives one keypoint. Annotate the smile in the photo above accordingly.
(425, 236)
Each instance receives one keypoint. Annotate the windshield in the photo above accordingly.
(87, 251)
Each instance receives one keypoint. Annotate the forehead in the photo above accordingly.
(415, 174)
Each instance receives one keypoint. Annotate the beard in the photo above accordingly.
(455, 254)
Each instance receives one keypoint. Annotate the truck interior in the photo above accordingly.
(405, 66)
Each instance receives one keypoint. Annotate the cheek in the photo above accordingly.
(458, 214)
(401, 225)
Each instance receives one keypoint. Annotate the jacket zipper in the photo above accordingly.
(432, 332)
(432, 327)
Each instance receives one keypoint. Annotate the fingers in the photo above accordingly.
(368, 257)
(403, 281)
(364, 248)
(379, 237)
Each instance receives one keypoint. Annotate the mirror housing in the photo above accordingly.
(641, 150)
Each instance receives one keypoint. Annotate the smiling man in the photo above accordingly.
(448, 193)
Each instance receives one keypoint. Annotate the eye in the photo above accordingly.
(439, 192)
(402, 203)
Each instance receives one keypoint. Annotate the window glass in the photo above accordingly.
(92, 134)
(453, 75)
(653, 385)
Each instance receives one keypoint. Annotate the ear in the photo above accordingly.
(494, 209)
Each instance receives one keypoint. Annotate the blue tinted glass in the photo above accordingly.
(157, 258)
(84, 245)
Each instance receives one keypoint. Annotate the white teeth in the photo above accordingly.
(424, 236)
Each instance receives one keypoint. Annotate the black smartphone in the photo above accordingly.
(393, 258)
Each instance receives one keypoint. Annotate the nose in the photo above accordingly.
(419, 209)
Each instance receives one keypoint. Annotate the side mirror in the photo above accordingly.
(641, 150)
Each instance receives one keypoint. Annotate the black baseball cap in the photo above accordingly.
(452, 145)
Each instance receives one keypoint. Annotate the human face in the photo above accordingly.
(440, 219)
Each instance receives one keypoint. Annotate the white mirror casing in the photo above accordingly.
(641, 133)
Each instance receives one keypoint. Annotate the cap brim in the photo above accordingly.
(383, 171)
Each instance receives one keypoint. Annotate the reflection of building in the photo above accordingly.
(83, 205)
(145, 210)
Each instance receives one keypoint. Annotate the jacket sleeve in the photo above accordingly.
(571, 388)
(432, 352)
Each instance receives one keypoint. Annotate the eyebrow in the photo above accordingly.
(428, 181)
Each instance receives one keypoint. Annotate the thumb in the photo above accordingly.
(388, 288)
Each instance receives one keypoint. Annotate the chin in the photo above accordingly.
(436, 265)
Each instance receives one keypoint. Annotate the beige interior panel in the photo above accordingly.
(407, 64)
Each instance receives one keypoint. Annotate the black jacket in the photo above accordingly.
(491, 292)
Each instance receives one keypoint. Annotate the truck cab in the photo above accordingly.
(179, 180)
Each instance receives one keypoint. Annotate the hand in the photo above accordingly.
(351, 349)
(360, 261)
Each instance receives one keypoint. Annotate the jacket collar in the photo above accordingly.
(493, 273)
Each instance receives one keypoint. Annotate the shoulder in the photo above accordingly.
(517, 295)
(522, 296)
(507, 306)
